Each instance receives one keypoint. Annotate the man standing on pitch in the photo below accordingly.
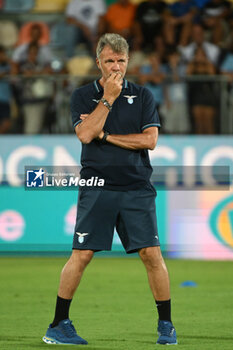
(117, 122)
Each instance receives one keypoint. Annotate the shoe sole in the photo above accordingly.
(53, 341)
(166, 343)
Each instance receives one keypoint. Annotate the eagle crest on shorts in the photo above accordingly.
(81, 236)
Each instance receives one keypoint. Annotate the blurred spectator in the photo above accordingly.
(45, 55)
(178, 23)
(228, 38)
(26, 35)
(226, 69)
(119, 19)
(135, 62)
(188, 52)
(202, 93)
(201, 3)
(148, 23)
(213, 15)
(137, 57)
(175, 110)
(152, 74)
(34, 92)
(227, 64)
(83, 21)
(5, 92)
(160, 48)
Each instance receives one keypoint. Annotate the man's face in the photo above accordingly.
(35, 33)
(111, 62)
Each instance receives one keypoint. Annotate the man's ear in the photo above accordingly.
(98, 63)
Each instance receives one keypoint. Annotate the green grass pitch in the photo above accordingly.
(113, 308)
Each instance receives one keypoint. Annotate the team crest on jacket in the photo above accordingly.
(81, 236)
(130, 98)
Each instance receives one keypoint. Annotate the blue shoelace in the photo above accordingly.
(165, 329)
(69, 330)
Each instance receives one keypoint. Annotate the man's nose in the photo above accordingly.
(116, 67)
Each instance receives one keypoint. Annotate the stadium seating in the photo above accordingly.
(80, 65)
(8, 33)
(136, 2)
(50, 5)
(18, 5)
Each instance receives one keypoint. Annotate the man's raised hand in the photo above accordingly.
(113, 87)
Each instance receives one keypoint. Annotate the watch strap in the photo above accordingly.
(104, 139)
(106, 103)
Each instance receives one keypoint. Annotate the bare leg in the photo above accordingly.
(198, 116)
(209, 120)
(157, 272)
(61, 330)
(72, 272)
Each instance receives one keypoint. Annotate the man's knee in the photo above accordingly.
(82, 257)
(151, 257)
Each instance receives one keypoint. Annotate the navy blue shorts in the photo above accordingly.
(131, 212)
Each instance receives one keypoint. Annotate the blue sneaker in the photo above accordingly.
(63, 333)
(167, 333)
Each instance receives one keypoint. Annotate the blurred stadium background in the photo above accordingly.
(195, 222)
(33, 94)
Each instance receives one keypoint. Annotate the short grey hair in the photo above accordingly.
(115, 41)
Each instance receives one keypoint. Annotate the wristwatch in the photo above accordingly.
(104, 138)
(106, 104)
